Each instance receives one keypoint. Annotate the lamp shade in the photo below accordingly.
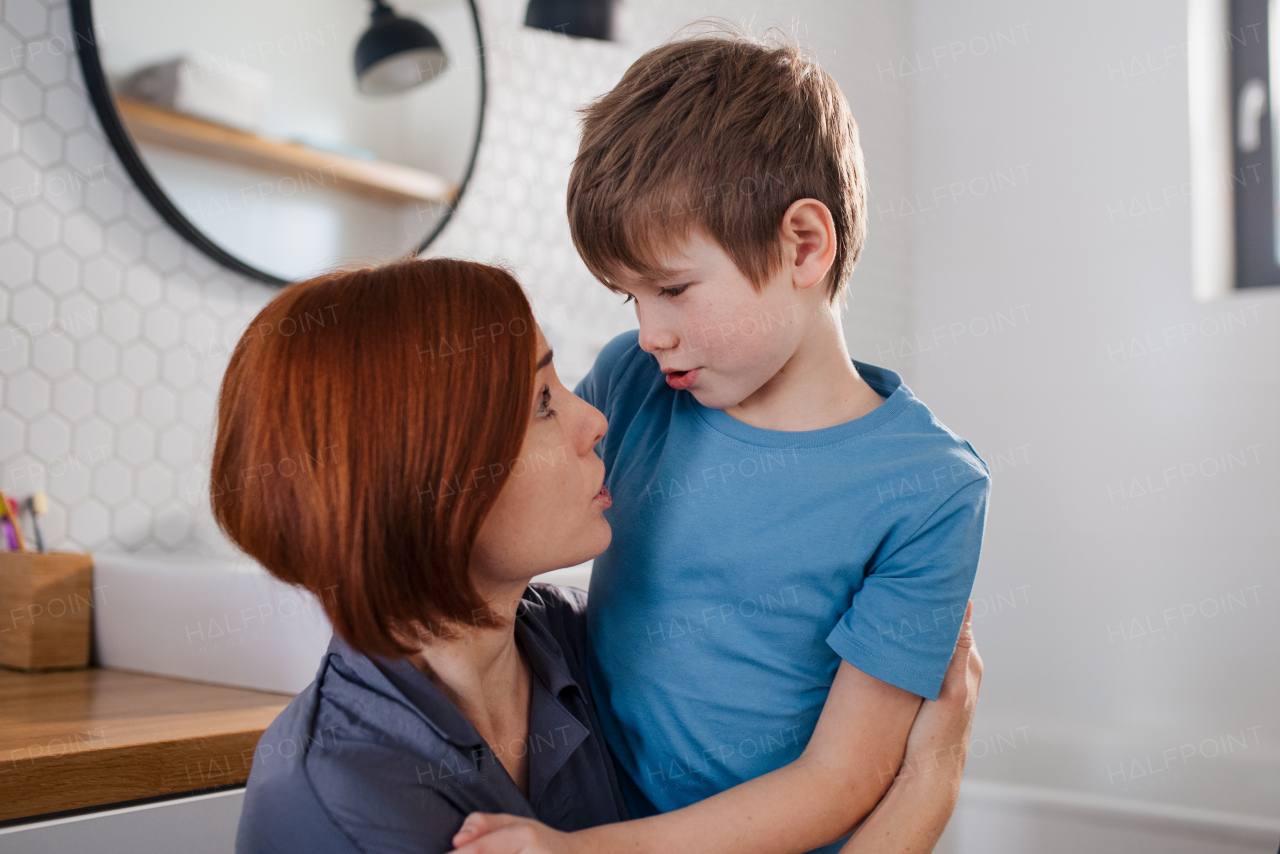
(590, 19)
(396, 53)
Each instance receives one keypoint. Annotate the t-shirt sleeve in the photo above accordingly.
(608, 368)
(903, 623)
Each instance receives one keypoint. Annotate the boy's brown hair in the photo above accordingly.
(721, 133)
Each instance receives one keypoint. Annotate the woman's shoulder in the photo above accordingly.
(337, 764)
(281, 809)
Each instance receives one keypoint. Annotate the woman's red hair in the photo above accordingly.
(366, 422)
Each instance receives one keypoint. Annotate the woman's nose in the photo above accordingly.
(593, 427)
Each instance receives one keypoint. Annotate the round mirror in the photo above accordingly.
(288, 137)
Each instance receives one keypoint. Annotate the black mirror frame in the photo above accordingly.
(95, 81)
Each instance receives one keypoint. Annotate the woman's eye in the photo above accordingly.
(673, 292)
(543, 408)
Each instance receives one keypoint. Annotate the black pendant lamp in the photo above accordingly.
(396, 53)
(587, 19)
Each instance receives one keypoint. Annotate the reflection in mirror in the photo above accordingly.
(251, 119)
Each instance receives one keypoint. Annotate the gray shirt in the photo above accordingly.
(373, 757)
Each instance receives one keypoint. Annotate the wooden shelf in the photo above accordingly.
(83, 738)
(379, 179)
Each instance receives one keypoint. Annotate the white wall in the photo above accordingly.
(1042, 311)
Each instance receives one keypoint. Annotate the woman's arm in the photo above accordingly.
(914, 813)
(810, 802)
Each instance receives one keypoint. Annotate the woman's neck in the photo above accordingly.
(469, 659)
(478, 663)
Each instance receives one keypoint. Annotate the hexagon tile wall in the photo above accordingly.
(116, 331)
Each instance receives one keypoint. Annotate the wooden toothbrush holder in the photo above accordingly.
(46, 605)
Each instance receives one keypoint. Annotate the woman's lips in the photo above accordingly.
(604, 497)
(681, 380)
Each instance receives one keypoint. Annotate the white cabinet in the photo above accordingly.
(202, 824)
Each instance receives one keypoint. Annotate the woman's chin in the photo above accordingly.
(606, 537)
(591, 544)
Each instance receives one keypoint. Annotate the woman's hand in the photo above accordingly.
(485, 833)
(917, 807)
(939, 738)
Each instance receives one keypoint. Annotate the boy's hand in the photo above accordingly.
(485, 833)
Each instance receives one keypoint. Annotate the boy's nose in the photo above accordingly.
(654, 338)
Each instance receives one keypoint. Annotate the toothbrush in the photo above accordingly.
(11, 513)
(38, 505)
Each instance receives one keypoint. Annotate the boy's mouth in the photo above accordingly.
(681, 380)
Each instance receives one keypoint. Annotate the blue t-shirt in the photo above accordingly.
(746, 563)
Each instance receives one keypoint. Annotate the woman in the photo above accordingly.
(436, 464)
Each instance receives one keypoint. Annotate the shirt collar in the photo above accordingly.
(546, 658)
(399, 679)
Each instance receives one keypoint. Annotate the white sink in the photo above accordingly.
(207, 619)
(217, 620)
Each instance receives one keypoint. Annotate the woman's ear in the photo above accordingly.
(808, 236)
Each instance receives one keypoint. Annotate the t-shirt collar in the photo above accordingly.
(897, 397)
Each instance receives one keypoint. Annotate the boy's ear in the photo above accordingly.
(808, 236)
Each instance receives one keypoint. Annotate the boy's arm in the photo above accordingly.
(843, 772)
(846, 768)
(909, 819)
(902, 619)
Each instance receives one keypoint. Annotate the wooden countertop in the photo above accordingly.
(83, 738)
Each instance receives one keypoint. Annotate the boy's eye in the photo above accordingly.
(674, 291)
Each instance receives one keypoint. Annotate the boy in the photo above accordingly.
(794, 535)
